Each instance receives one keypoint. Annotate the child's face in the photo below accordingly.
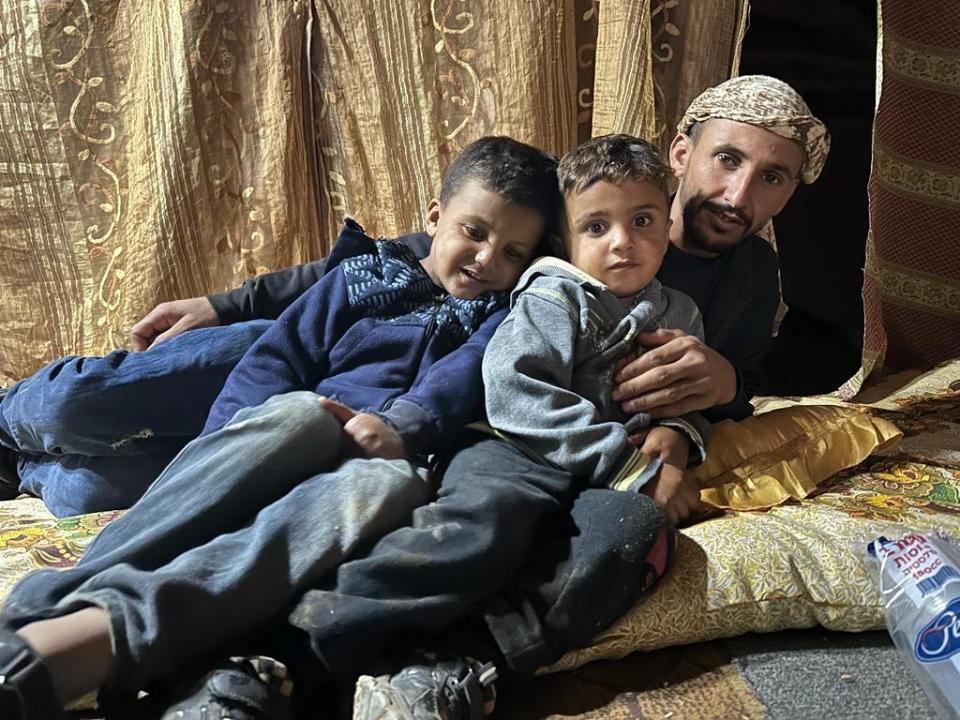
(618, 233)
(481, 242)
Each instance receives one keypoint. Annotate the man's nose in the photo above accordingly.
(738, 189)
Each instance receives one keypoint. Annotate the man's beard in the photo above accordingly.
(694, 238)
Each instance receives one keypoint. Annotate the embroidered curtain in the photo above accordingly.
(911, 288)
(148, 151)
(155, 150)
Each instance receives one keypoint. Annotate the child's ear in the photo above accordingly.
(432, 217)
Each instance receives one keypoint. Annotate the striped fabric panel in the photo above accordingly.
(911, 287)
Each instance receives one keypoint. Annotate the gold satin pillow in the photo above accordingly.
(767, 459)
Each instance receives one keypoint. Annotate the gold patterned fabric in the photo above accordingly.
(401, 88)
(667, 62)
(160, 150)
(681, 68)
(911, 287)
(148, 151)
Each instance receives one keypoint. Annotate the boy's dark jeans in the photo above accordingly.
(501, 524)
(92, 433)
(584, 574)
(231, 533)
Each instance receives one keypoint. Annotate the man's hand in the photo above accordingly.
(172, 318)
(677, 375)
(676, 493)
(370, 435)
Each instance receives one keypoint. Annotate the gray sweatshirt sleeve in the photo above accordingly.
(527, 374)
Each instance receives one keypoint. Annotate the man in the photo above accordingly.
(742, 149)
(738, 163)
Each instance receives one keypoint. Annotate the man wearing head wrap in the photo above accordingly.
(741, 150)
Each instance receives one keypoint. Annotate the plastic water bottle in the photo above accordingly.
(920, 588)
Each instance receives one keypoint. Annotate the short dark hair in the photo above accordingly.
(612, 158)
(517, 172)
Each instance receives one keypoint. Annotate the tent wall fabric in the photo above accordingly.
(167, 150)
(911, 289)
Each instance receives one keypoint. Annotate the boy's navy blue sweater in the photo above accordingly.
(376, 334)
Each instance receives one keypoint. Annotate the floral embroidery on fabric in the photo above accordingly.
(391, 285)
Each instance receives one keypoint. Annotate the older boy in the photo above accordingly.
(227, 538)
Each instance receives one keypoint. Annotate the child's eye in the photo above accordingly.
(472, 232)
(513, 254)
(642, 220)
(596, 228)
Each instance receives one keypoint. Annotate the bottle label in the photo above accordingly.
(915, 565)
(940, 639)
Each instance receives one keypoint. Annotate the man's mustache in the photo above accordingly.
(741, 216)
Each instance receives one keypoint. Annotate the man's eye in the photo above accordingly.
(726, 159)
(772, 179)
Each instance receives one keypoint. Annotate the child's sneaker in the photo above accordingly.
(239, 689)
(448, 690)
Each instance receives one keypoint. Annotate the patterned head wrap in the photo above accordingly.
(768, 103)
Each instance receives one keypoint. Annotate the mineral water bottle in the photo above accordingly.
(920, 589)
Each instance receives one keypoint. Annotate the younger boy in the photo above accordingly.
(548, 373)
(264, 504)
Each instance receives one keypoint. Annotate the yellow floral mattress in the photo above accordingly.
(796, 565)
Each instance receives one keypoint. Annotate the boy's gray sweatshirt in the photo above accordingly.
(548, 371)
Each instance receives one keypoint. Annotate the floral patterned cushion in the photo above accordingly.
(31, 538)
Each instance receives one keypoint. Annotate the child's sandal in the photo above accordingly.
(26, 688)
